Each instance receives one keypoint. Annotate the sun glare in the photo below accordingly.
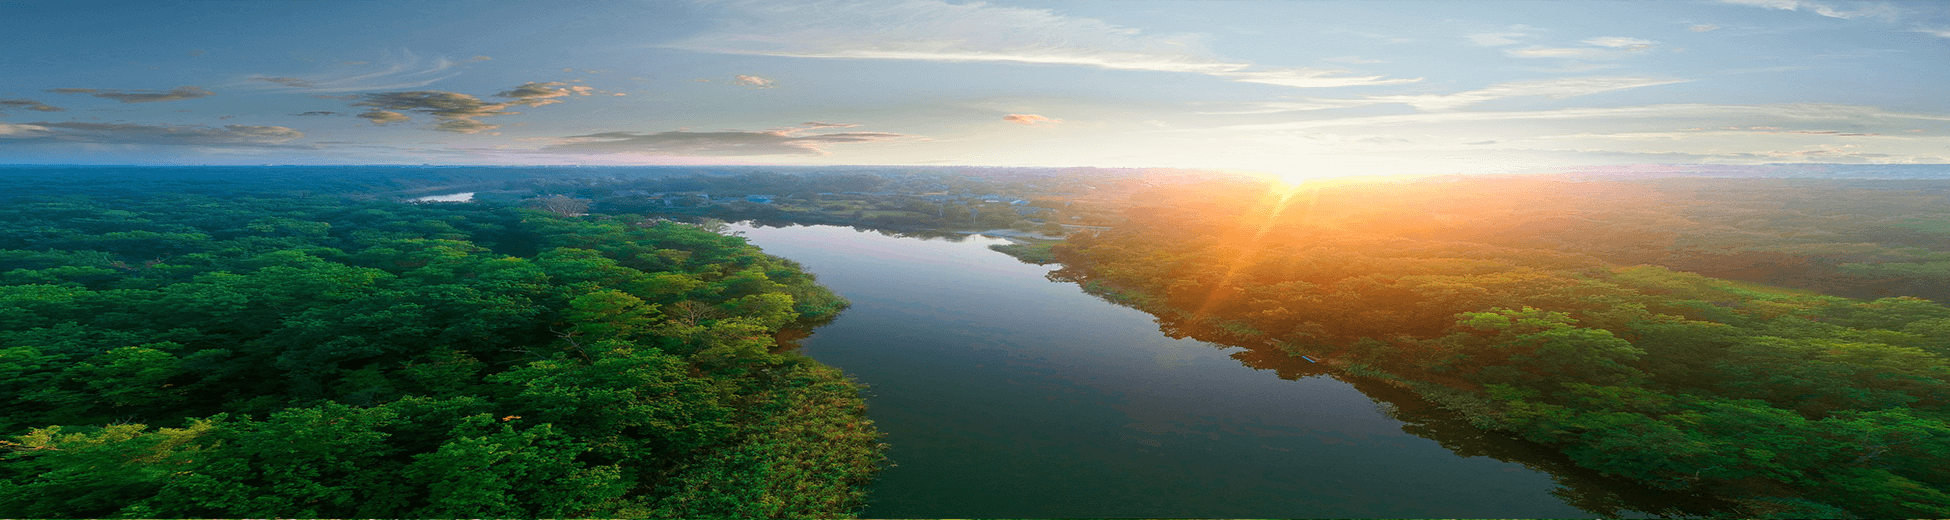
(1291, 178)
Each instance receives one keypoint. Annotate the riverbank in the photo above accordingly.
(1028, 246)
(1649, 374)
(1017, 236)
(1005, 394)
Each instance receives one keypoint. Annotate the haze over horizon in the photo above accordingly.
(1296, 88)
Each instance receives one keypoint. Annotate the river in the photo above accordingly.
(450, 197)
(1004, 394)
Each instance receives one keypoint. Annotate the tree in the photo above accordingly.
(562, 205)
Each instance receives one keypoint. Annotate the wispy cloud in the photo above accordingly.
(392, 72)
(1705, 27)
(1834, 113)
(1300, 105)
(1496, 39)
(1621, 42)
(289, 82)
(1032, 120)
(140, 96)
(1559, 88)
(935, 30)
(1311, 78)
(1551, 88)
(122, 133)
(1757, 70)
(789, 141)
(1873, 10)
(1600, 48)
(1574, 66)
(1578, 53)
(27, 104)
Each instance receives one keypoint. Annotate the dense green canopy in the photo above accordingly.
(167, 354)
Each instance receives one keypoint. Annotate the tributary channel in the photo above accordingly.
(1004, 394)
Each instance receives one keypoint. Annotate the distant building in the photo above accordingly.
(761, 199)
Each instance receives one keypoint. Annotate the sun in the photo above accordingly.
(1288, 178)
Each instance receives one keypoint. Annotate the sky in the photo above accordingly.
(1297, 88)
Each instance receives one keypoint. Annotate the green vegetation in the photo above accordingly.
(1034, 253)
(1502, 305)
(171, 354)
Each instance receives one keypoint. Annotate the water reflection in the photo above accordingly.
(918, 234)
(450, 197)
(1005, 395)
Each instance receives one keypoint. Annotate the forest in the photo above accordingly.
(258, 344)
(1772, 342)
(282, 342)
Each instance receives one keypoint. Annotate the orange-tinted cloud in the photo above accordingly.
(1032, 120)
(754, 81)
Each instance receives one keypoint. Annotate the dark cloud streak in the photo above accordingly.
(461, 113)
(141, 96)
(27, 104)
(289, 82)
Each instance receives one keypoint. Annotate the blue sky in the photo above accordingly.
(1290, 87)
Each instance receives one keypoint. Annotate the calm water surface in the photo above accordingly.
(1006, 395)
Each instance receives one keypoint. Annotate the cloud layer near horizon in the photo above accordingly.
(791, 141)
(140, 96)
(123, 133)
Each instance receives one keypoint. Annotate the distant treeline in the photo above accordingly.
(888, 200)
(1563, 312)
(176, 355)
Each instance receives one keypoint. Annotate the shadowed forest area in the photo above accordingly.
(1770, 341)
(231, 346)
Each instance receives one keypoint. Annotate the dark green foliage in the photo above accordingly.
(173, 355)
